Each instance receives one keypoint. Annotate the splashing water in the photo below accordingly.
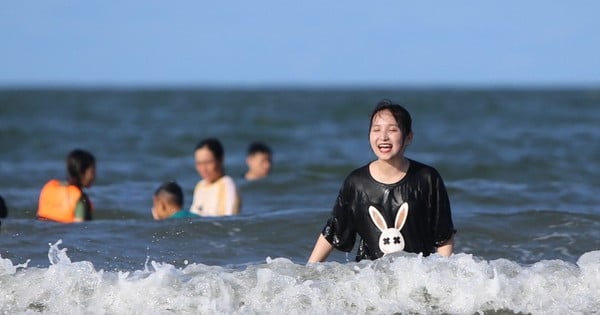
(405, 283)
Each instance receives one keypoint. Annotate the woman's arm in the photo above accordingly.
(321, 250)
(447, 248)
(80, 210)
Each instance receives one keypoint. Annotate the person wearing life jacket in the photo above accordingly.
(66, 202)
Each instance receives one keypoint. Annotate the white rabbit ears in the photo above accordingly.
(379, 221)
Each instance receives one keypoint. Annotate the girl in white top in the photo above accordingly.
(216, 194)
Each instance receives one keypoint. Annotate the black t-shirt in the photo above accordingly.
(427, 226)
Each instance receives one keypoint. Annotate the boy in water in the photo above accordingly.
(259, 161)
(168, 202)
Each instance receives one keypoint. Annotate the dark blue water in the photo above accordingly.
(522, 168)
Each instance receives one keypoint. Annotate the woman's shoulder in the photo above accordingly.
(358, 177)
(227, 181)
(359, 172)
(423, 169)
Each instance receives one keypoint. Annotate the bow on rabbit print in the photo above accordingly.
(390, 240)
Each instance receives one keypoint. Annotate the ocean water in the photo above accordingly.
(522, 169)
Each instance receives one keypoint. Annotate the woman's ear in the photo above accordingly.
(408, 139)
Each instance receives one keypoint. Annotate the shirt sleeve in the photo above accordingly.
(442, 225)
(231, 198)
(340, 230)
(194, 208)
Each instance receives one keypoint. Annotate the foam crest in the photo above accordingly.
(404, 283)
(8, 268)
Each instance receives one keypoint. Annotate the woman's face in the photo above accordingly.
(386, 138)
(207, 165)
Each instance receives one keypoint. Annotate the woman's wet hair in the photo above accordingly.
(400, 113)
(214, 145)
(78, 161)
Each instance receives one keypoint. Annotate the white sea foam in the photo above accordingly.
(406, 283)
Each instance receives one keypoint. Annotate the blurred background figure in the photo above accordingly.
(66, 202)
(3, 208)
(216, 194)
(259, 160)
(167, 202)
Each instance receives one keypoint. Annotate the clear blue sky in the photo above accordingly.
(315, 43)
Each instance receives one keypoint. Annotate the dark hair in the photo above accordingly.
(400, 113)
(214, 145)
(78, 161)
(172, 191)
(256, 147)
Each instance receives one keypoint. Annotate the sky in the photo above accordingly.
(300, 43)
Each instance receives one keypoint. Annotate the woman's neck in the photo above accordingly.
(389, 172)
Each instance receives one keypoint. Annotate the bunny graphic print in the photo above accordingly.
(379, 214)
(390, 240)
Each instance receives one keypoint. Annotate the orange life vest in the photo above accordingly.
(58, 202)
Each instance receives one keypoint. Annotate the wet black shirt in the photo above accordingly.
(428, 224)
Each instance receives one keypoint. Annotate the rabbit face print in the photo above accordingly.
(390, 240)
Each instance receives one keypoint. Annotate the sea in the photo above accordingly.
(521, 165)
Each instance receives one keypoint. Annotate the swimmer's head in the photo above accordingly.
(81, 168)
(401, 115)
(209, 156)
(259, 161)
(167, 199)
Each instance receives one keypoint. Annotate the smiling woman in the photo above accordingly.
(391, 199)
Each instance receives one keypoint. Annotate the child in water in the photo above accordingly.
(258, 160)
(393, 203)
(168, 203)
(66, 202)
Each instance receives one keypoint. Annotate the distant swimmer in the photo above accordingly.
(259, 160)
(66, 202)
(3, 208)
(216, 194)
(392, 203)
(167, 203)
